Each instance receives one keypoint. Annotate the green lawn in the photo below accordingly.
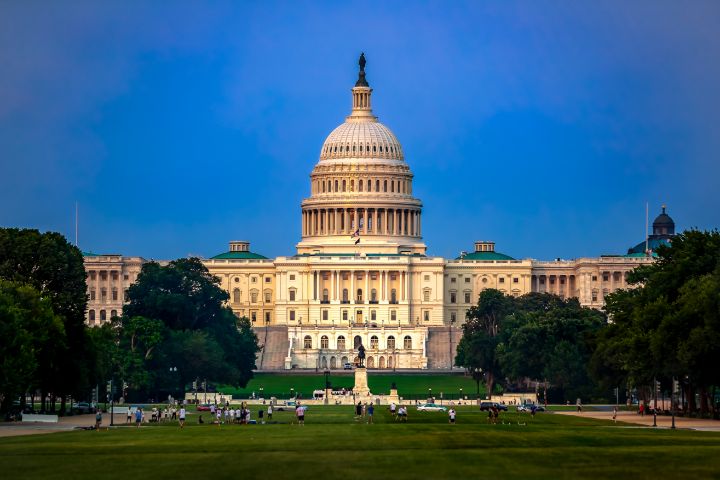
(334, 445)
(407, 384)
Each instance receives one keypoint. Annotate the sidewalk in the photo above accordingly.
(65, 424)
(647, 420)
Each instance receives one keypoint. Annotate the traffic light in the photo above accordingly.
(676, 387)
(657, 386)
(94, 394)
(109, 386)
(194, 384)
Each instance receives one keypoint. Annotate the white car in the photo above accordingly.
(431, 407)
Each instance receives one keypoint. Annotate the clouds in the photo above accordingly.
(206, 119)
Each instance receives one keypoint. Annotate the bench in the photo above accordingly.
(32, 417)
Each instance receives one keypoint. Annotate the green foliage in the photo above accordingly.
(55, 269)
(670, 325)
(537, 336)
(31, 334)
(176, 319)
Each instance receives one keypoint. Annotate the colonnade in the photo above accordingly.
(391, 286)
(366, 221)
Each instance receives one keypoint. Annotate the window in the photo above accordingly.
(467, 297)
(103, 315)
(268, 297)
(501, 280)
(236, 295)
(453, 297)
(126, 277)
(307, 342)
(393, 296)
(292, 315)
(253, 317)
(373, 315)
(594, 296)
(453, 317)
(253, 279)
(426, 295)
(92, 275)
(237, 279)
(467, 279)
(91, 314)
(393, 315)
(407, 342)
(359, 295)
(324, 314)
(373, 295)
(345, 295)
(453, 280)
(103, 294)
(92, 294)
(253, 297)
(391, 342)
(292, 294)
(594, 278)
(516, 280)
(325, 295)
(268, 279)
(292, 277)
(324, 342)
(125, 297)
(427, 278)
(344, 315)
(267, 317)
(103, 276)
(341, 343)
(374, 341)
(606, 277)
(426, 315)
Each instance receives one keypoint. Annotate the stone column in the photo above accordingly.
(351, 297)
(384, 285)
(367, 286)
(386, 230)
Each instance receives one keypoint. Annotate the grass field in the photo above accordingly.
(333, 445)
(413, 384)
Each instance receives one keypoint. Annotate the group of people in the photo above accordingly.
(240, 416)
(365, 410)
(400, 414)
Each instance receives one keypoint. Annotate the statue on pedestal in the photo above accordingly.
(361, 356)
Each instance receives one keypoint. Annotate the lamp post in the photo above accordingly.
(327, 382)
(461, 397)
(429, 394)
(292, 393)
(477, 376)
(262, 395)
(173, 370)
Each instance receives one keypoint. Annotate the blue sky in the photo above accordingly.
(544, 126)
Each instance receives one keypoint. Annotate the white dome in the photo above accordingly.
(361, 139)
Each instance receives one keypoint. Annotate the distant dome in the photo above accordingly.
(663, 225)
(361, 139)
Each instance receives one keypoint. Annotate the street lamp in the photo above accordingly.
(173, 370)
(429, 394)
(461, 397)
(327, 382)
(477, 376)
(292, 393)
(262, 395)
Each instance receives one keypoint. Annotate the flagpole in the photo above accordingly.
(646, 227)
(76, 223)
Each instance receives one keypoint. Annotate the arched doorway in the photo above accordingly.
(344, 361)
(333, 363)
(391, 362)
(370, 362)
(323, 364)
(381, 362)
(356, 361)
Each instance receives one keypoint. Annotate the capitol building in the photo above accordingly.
(361, 272)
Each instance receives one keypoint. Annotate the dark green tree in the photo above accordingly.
(55, 268)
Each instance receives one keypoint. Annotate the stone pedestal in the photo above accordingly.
(361, 385)
(393, 397)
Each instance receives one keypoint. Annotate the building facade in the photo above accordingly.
(361, 273)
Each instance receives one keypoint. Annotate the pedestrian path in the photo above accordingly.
(647, 420)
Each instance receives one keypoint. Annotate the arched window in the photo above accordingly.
(381, 363)
(333, 363)
(336, 185)
(341, 343)
(345, 295)
(344, 185)
(391, 343)
(370, 362)
(113, 313)
(91, 315)
(377, 185)
(392, 186)
(325, 295)
(103, 315)
(360, 185)
(385, 186)
(357, 341)
(324, 342)
(359, 295)
(236, 295)
(307, 343)
(407, 342)
(352, 185)
(374, 341)
(369, 185)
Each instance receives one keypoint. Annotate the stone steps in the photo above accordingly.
(439, 351)
(275, 343)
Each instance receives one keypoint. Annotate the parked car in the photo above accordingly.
(431, 407)
(203, 407)
(526, 407)
(348, 366)
(83, 407)
(485, 406)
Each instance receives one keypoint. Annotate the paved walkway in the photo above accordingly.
(64, 424)
(647, 420)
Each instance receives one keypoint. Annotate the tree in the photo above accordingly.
(669, 326)
(55, 268)
(30, 330)
(176, 318)
(478, 348)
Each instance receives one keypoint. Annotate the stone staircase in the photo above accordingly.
(275, 343)
(438, 346)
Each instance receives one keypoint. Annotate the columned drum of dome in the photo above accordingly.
(361, 189)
